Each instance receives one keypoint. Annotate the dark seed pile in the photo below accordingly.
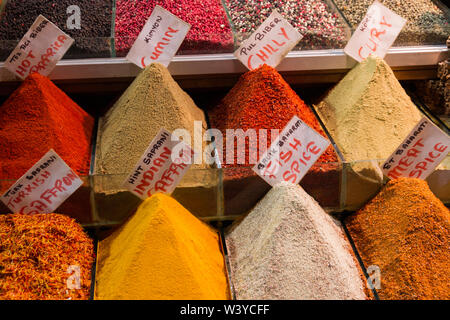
(92, 40)
(427, 24)
(322, 28)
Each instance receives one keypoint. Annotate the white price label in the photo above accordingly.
(161, 168)
(375, 34)
(160, 39)
(269, 44)
(292, 154)
(419, 154)
(43, 188)
(40, 49)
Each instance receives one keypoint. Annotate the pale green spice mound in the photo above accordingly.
(153, 101)
(368, 113)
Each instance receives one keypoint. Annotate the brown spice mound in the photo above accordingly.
(405, 231)
(35, 254)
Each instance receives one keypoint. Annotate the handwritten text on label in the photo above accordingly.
(161, 168)
(375, 34)
(292, 154)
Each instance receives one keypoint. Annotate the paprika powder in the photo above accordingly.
(44, 257)
(405, 232)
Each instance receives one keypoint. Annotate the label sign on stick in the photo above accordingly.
(292, 154)
(269, 44)
(160, 39)
(375, 34)
(421, 152)
(161, 168)
(40, 49)
(43, 188)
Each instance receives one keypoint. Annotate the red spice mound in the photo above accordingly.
(36, 253)
(37, 117)
(405, 231)
(262, 99)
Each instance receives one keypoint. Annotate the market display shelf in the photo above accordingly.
(314, 66)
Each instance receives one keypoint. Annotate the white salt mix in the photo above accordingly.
(288, 247)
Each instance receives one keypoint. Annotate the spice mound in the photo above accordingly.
(44, 257)
(405, 231)
(262, 99)
(368, 113)
(426, 22)
(288, 247)
(210, 31)
(162, 252)
(38, 117)
(321, 26)
(153, 101)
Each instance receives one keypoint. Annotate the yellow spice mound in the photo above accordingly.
(162, 252)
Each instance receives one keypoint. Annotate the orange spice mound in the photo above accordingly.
(405, 231)
(35, 254)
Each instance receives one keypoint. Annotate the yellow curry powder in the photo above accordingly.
(162, 252)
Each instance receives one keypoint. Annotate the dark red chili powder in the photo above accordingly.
(262, 99)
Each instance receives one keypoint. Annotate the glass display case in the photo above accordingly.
(107, 28)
